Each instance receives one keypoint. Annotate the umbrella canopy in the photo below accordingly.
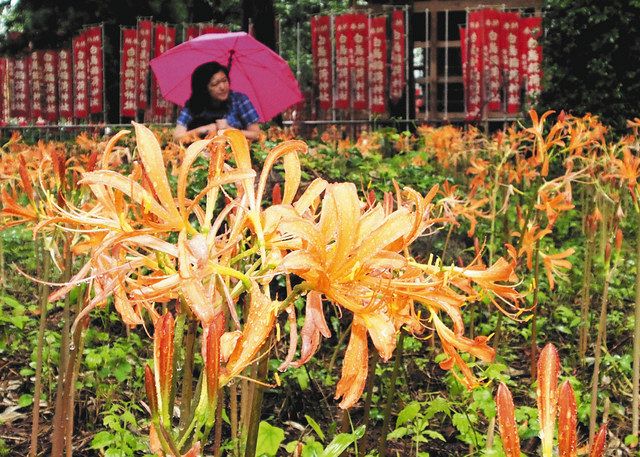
(255, 70)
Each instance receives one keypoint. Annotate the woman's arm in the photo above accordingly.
(181, 131)
(252, 132)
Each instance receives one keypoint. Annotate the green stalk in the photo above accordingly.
(187, 373)
(636, 342)
(3, 277)
(60, 403)
(44, 293)
(602, 327)
(534, 326)
(217, 434)
(382, 446)
(74, 369)
(371, 376)
(256, 402)
(585, 299)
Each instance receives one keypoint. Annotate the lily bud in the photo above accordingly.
(567, 421)
(618, 240)
(163, 363)
(607, 252)
(507, 422)
(597, 450)
(276, 194)
(150, 388)
(547, 393)
(211, 356)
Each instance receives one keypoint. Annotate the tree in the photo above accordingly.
(44, 24)
(588, 64)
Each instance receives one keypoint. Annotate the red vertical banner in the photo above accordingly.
(360, 60)
(378, 63)
(491, 57)
(145, 28)
(21, 89)
(95, 52)
(475, 96)
(49, 73)
(397, 55)
(128, 72)
(4, 89)
(81, 77)
(160, 43)
(321, 52)
(343, 44)
(65, 88)
(35, 75)
(510, 57)
(531, 55)
(191, 31)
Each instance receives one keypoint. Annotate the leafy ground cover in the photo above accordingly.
(525, 237)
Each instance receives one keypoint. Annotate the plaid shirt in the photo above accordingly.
(241, 113)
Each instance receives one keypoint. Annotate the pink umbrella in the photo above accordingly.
(255, 70)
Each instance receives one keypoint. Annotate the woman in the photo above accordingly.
(213, 106)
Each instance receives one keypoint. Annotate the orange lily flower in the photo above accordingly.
(554, 262)
(528, 240)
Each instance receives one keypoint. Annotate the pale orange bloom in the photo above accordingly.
(553, 206)
(528, 239)
(553, 263)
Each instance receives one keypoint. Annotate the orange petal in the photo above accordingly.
(260, 322)
(314, 326)
(354, 366)
(383, 333)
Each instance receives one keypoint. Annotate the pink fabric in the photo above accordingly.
(256, 71)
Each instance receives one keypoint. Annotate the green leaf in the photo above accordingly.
(631, 440)
(316, 428)
(461, 422)
(102, 439)
(291, 446)
(25, 400)
(121, 372)
(303, 378)
(359, 432)
(312, 449)
(341, 442)
(93, 360)
(10, 301)
(434, 435)
(269, 439)
(398, 433)
(408, 413)
(438, 405)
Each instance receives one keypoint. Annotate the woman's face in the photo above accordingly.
(219, 86)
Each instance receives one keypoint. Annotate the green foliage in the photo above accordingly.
(121, 437)
(269, 439)
(587, 44)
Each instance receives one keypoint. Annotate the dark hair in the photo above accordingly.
(200, 99)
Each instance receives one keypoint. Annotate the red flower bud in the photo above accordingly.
(618, 240)
(163, 362)
(276, 194)
(597, 450)
(150, 387)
